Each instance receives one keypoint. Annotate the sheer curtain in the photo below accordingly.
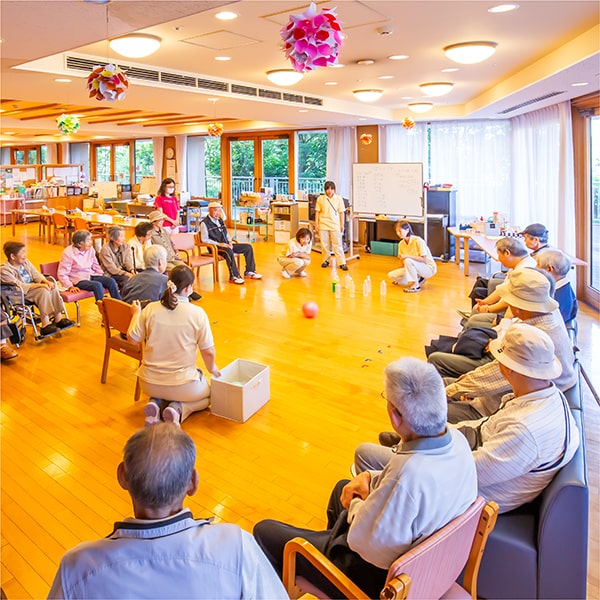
(543, 173)
(397, 144)
(158, 146)
(341, 153)
(181, 142)
(196, 167)
(475, 157)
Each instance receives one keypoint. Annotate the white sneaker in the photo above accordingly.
(252, 275)
(285, 274)
(171, 415)
(237, 280)
(151, 412)
(302, 274)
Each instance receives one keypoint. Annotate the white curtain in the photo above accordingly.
(397, 144)
(52, 153)
(341, 154)
(543, 173)
(475, 157)
(196, 168)
(181, 159)
(158, 146)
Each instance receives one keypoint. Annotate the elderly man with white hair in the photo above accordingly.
(163, 552)
(558, 264)
(430, 479)
(150, 283)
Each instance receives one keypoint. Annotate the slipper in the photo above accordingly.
(413, 289)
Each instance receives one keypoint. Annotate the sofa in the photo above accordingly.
(539, 550)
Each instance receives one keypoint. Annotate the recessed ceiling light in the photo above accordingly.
(386, 77)
(450, 70)
(437, 88)
(398, 57)
(140, 120)
(336, 66)
(302, 110)
(101, 137)
(469, 53)
(365, 61)
(8, 133)
(331, 83)
(579, 84)
(62, 80)
(226, 15)
(502, 8)
(223, 58)
(406, 98)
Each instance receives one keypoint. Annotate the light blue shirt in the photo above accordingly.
(177, 557)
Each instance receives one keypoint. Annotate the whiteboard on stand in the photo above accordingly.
(394, 189)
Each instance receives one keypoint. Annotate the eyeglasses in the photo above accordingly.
(384, 395)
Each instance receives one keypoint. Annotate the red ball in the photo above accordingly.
(310, 310)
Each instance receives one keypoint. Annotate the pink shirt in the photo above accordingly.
(170, 206)
(77, 265)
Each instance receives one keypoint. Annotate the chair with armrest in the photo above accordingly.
(116, 316)
(429, 570)
(213, 250)
(50, 271)
(191, 253)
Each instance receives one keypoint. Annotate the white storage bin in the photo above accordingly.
(240, 391)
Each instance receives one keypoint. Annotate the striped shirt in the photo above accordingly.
(486, 385)
(525, 434)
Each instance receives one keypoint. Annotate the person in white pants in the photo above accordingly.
(329, 224)
(297, 254)
(416, 261)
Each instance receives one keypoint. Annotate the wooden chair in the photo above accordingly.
(50, 270)
(191, 254)
(139, 210)
(97, 230)
(429, 570)
(213, 250)
(116, 316)
(62, 225)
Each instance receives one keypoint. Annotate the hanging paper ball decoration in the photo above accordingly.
(215, 129)
(312, 40)
(107, 83)
(366, 139)
(67, 124)
(408, 123)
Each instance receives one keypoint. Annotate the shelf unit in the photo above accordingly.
(285, 221)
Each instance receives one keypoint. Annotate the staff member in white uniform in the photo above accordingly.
(329, 224)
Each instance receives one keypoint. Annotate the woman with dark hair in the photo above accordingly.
(167, 202)
(416, 261)
(172, 330)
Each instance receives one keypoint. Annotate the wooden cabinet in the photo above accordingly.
(6, 205)
(285, 221)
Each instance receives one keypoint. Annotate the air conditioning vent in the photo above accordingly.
(175, 79)
(313, 101)
(269, 94)
(216, 86)
(81, 64)
(139, 73)
(243, 89)
(533, 101)
(292, 97)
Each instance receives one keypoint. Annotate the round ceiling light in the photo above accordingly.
(135, 45)
(420, 107)
(367, 95)
(437, 88)
(284, 76)
(469, 53)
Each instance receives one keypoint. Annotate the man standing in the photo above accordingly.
(151, 283)
(329, 224)
(379, 515)
(163, 552)
(214, 231)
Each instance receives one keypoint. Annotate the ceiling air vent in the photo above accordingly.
(139, 73)
(269, 94)
(81, 64)
(313, 101)
(533, 101)
(216, 86)
(175, 79)
(292, 97)
(243, 89)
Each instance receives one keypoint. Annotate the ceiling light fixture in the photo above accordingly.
(580, 84)
(135, 45)
(469, 53)
(223, 58)
(365, 61)
(437, 88)
(226, 15)
(420, 107)
(62, 80)
(450, 70)
(398, 57)
(502, 8)
(367, 95)
(284, 76)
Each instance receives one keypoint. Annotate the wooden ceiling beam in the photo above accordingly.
(17, 111)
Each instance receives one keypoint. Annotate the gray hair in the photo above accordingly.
(114, 231)
(80, 236)
(158, 464)
(557, 259)
(153, 254)
(416, 391)
(516, 246)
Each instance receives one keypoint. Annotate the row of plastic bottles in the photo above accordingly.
(336, 287)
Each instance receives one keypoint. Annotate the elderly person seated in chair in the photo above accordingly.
(558, 264)
(139, 242)
(381, 514)
(151, 283)
(19, 271)
(162, 551)
(79, 269)
(536, 238)
(116, 257)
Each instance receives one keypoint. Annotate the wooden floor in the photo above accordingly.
(63, 431)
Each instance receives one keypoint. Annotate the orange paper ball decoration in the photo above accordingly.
(366, 139)
(408, 123)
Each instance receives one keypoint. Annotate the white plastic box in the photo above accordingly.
(240, 391)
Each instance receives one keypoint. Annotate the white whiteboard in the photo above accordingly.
(388, 189)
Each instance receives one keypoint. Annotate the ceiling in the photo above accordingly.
(544, 47)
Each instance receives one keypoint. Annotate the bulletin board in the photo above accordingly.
(394, 189)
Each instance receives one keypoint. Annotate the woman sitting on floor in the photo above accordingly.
(172, 330)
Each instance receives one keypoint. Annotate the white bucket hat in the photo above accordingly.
(215, 205)
(528, 351)
(528, 289)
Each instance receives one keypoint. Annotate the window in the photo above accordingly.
(312, 160)
(212, 166)
(143, 159)
(594, 205)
